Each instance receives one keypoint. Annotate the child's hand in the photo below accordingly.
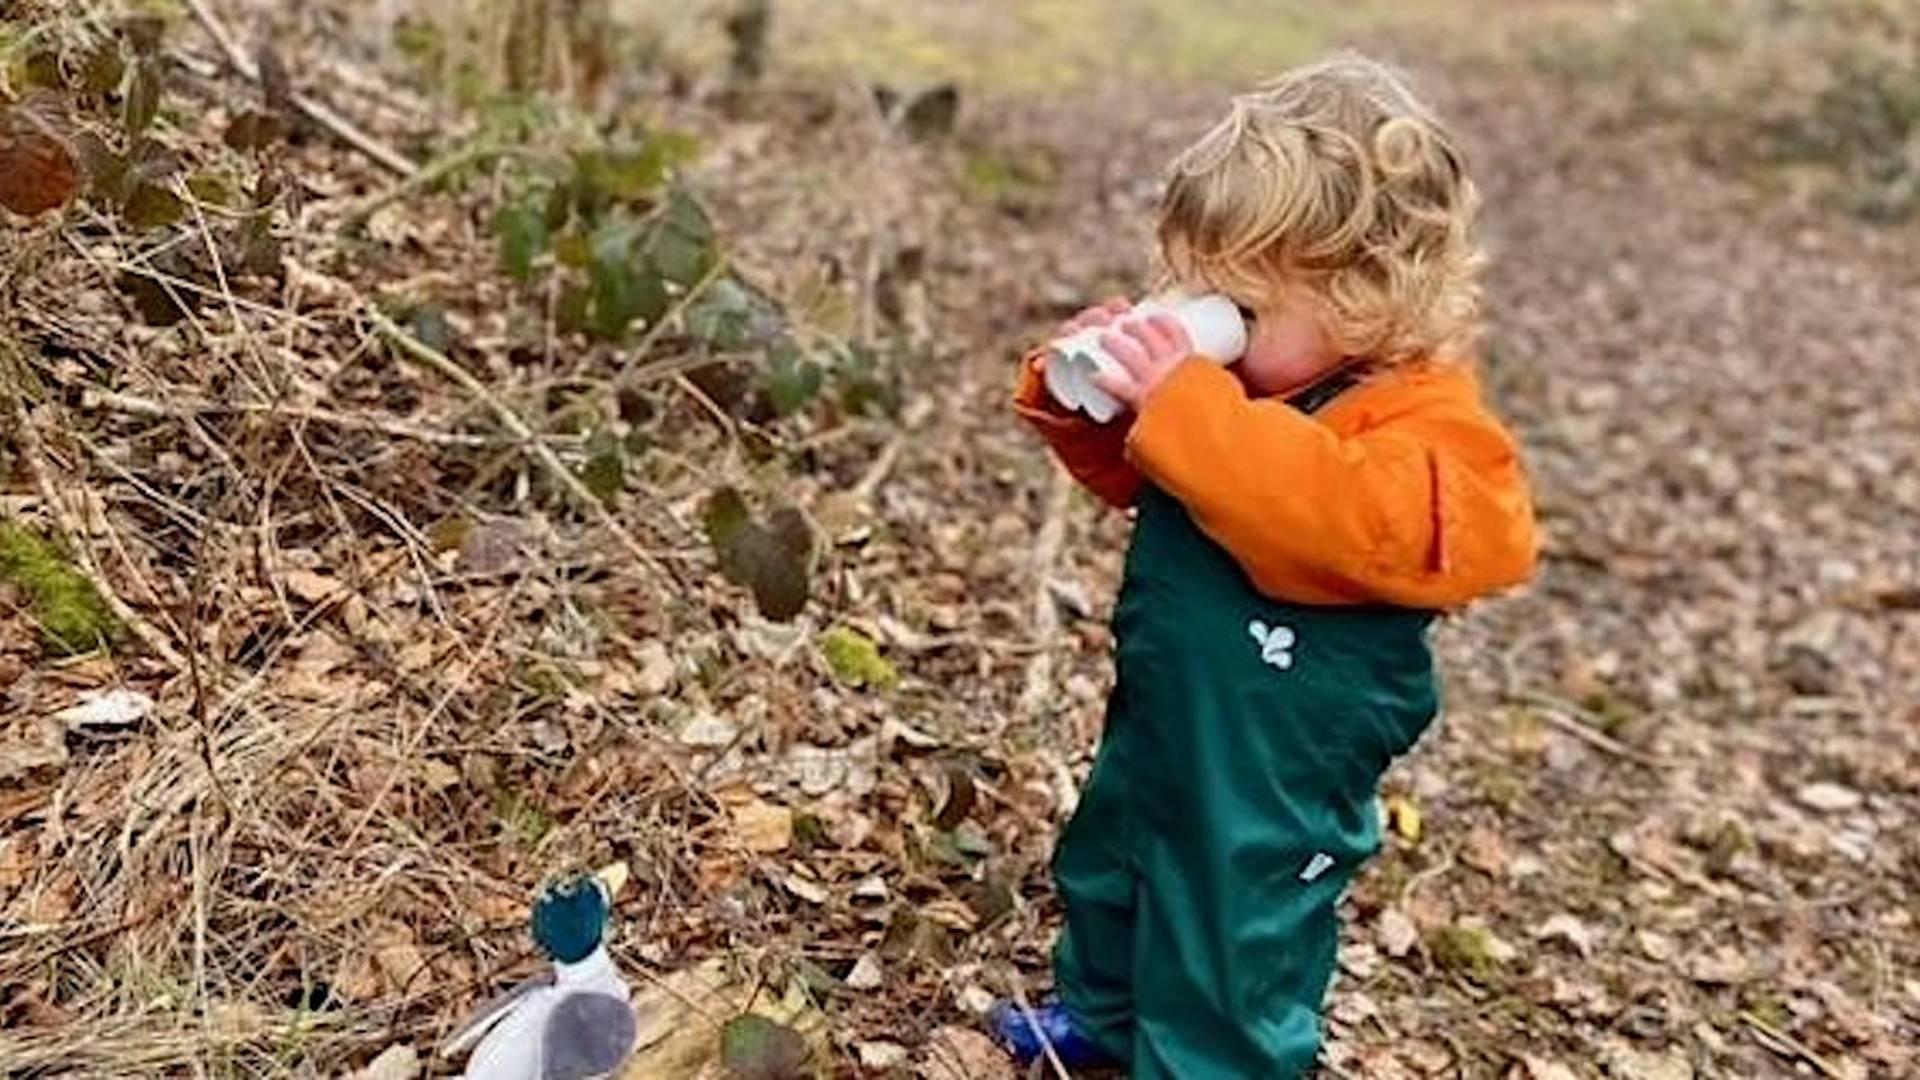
(1148, 350)
(1101, 314)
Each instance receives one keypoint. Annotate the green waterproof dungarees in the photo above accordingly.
(1231, 802)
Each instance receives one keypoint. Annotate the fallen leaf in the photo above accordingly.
(1403, 818)
(1396, 933)
(313, 587)
(1829, 797)
(1565, 927)
(763, 827)
(866, 973)
(807, 889)
(31, 744)
(958, 1051)
(114, 708)
(708, 732)
(881, 1055)
(1545, 1069)
(1485, 852)
(397, 1062)
(37, 171)
(1623, 1062)
(753, 1047)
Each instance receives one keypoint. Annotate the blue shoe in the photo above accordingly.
(1055, 1026)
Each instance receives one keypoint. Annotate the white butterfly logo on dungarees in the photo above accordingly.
(1276, 643)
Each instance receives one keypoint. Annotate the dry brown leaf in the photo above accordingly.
(762, 826)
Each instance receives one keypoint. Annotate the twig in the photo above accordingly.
(313, 109)
(530, 443)
(876, 473)
(1787, 1046)
(1046, 617)
(1576, 721)
(652, 337)
(1012, 979)
(36, 458)
(421, 179)
(94, 398)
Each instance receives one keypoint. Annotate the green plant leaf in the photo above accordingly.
(522, 232)
(856, 661)
(961, 795)
(213, 189)
(753, 1047)
(725, 518)
(143, 97)
(254, 130)
(72, 615)
(791, 380)
(931, 115)
(605, 472)
(570, 311)
(152, 206)
(156, 304)
(682, 242)
(774, 561)
(621, 291)
(104, 71)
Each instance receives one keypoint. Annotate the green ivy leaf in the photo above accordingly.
(152, 206)
(143, 97)
(522, 232)
(213, 189)
(682, 242)
(753, 1047)
(156, 304)
(774, 561)
(605, 473)
(791, 380)
(104, 71)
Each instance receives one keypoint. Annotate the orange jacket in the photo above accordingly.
(1404, 490)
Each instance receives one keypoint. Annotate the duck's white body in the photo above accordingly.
(564, 1028)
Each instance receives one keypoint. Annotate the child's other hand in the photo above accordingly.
(1101, 314)
(1148, 350)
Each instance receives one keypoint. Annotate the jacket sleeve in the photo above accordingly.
(1428, 509)
(1096, 454)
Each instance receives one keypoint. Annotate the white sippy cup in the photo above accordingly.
(1213, 322)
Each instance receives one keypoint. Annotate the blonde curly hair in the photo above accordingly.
(1334, 178)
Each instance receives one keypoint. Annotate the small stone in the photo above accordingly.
(708, 731)
(1829, 798)
(1566, 928)
(882, 1055)
(975, 998)
(654, 670)
(811, 891)
(866, 973)
(874, 888)
(1396, 933)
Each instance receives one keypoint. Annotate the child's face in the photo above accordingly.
(1287, 345)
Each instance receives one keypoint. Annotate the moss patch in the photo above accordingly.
(72, 616)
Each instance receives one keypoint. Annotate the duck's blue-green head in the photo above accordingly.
(570, 917)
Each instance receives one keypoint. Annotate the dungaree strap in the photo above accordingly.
(1316, 397)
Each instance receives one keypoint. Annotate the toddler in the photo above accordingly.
(1301, 518)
